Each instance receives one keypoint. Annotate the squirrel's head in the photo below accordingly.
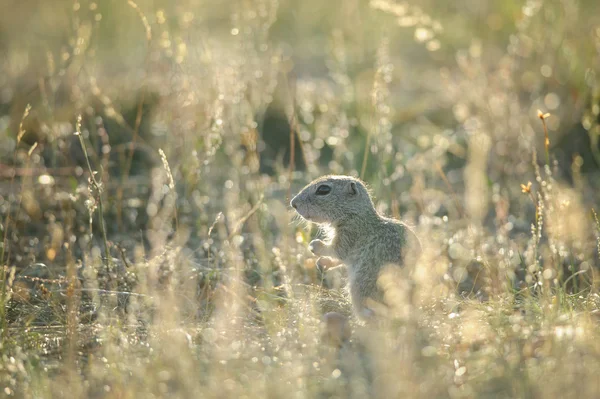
(330, 199)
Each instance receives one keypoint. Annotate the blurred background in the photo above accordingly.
(475, 121)
(434, 105)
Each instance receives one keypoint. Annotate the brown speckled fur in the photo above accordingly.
(363, 240)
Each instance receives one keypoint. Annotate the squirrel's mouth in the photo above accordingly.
(303, 214)
(306, 215)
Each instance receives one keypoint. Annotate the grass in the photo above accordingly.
(153, 252)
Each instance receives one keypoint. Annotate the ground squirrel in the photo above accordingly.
(362, 239)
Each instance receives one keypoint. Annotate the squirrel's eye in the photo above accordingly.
(323, 190)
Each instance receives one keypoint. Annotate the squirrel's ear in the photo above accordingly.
(352, 188)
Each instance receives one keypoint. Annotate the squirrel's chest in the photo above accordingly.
(348, 247)
(356, 252)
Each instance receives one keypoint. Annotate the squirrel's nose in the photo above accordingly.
(293, 203)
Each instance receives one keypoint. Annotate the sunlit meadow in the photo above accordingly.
(149, 150)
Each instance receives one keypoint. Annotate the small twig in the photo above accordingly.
(171, 183)
(572, 276)
(366, 154)
(452, 192)
(101, 291)
(293, 134)
(139, 111)
(212, 226)
(98, 190)
(243, 220)
(123, 257)
(4, 295)
(292, 154)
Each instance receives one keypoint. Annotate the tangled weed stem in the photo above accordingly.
(98, 191)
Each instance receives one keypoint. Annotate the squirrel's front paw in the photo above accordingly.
(325, 263)
(317, 247)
